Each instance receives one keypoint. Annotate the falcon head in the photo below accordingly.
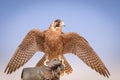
(57, 25)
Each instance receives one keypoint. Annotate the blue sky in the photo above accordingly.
(97, 21)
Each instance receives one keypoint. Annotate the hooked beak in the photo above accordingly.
(64, 25)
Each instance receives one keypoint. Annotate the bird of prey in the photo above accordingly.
(55, 43)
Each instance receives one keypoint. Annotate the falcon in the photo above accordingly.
(55, 43)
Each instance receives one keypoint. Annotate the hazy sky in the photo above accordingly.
(97, 20)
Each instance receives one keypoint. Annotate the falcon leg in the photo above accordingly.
(47, 60)
(60, 58)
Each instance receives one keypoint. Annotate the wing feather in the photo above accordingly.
(32, 43)
(76, 44)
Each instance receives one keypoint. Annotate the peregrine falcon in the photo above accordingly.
(55, 43)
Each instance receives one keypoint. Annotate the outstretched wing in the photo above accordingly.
(76, 44)
(32, 43)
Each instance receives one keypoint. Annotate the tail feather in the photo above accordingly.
(41, 62)
(68, 68)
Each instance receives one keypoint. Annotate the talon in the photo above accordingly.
(46, 62)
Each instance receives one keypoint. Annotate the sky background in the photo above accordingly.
(97, 20)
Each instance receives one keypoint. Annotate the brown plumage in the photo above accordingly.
(54, 43)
